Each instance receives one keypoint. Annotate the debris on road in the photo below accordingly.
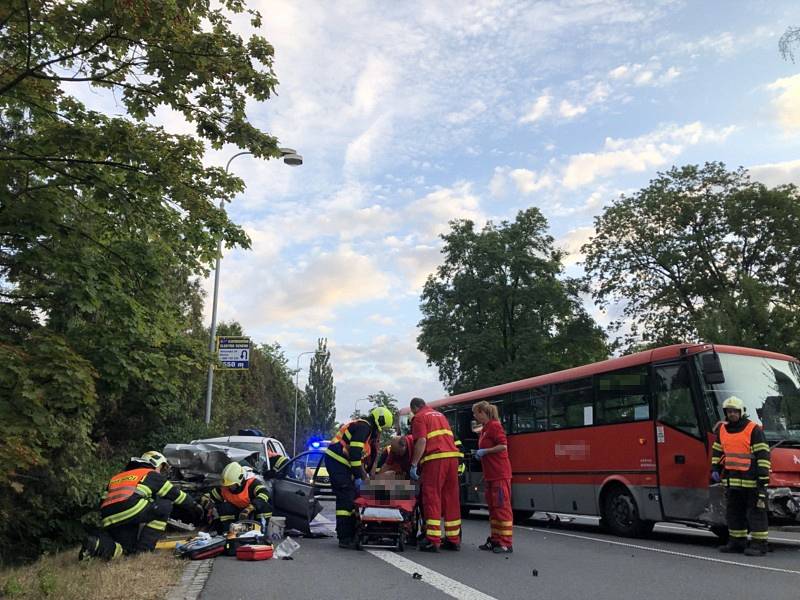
(535, 573)
(417, 575)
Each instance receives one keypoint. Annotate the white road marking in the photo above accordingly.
(444, 584)
(660, 550)
(772, 538)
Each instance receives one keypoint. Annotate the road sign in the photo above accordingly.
(233, 352)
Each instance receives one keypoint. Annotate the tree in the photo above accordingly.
(387, 400)
(788, 41)
(499, 308)
(320, 392)
(105, 224)
(702, 253)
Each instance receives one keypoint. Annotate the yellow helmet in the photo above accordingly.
(383, 417)
(734, 403)
(156, 459)
(232, 474)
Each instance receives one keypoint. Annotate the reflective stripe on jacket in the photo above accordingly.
(736, 448)
(125, 485)
(439, 440)
(349, 450)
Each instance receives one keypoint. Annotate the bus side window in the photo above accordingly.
(528, 411)
(622, 396)
(675, 405)
(572, 404)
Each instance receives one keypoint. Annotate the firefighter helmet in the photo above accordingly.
(383, 417)
(156, 459)
(232, 474)
(734, 403)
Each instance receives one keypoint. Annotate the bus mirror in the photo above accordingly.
(712, 368)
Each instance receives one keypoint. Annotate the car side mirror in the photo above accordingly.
(712, 368)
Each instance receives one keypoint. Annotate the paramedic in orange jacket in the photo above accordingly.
(435, 461)
(493, 454)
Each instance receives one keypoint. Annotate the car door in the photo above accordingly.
(293, 492)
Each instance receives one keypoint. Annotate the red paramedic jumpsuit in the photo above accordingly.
(439, 476)
(497, 478)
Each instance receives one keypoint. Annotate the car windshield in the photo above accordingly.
(770, 390)
(252, 446)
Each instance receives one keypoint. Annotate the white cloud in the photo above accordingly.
(466, 115)
(375, 84)
(774, 174)
(599, 93)
(643, 77)
(361, 151)
(572, 242)
(381, 319)
(621, 72)
(654, 149)
(568, 110)
(434, 211)
(528, 181)
(787, 102)
(539, 109)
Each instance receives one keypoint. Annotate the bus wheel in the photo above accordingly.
(520, 516)
(721, 531)
(621, 515)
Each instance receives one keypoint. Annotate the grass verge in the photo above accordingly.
(141, 577)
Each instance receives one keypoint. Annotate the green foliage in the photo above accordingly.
(498, 309)
(106, 223)
(320, 392)
(380, 398)
(702, 253)
(788, 41)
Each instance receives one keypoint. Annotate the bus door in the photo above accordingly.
(683, 465)
(472, 481)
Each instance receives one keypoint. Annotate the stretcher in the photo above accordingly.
(383, 521)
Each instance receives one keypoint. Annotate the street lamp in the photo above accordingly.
(290, 157)
(296, 393)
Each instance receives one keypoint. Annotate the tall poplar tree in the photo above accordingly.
(320, 391)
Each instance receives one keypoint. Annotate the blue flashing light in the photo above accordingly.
(315, 445)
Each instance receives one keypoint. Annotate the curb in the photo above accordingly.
(192, 581)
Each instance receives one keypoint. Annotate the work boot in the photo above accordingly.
(489, 545)
(448, 545)
(90, 548)
(502, 549)
(427, 546)
(734, 546)
(347, 544)
(756, 549)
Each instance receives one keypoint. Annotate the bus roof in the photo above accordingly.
(612, 364)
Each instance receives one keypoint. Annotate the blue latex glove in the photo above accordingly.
(716, 477)
(479, 454)
(413, 473)
(359, 482)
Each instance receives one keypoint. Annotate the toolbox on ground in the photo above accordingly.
(200, 548)
(254, 552)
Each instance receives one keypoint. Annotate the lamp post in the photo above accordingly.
(292, 158)
(297, 392)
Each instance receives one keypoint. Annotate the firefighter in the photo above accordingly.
(740, 460)
(139, 495)
(493, 454)
(239, 497)
(396, 457)
(436, 455)
(348, 459)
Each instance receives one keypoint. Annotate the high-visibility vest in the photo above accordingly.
(736, 447)
(242, 499)
(124, 485)
(342, 438)
(439, 440)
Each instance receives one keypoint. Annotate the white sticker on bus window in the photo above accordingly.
(588, 415)
(660, 434)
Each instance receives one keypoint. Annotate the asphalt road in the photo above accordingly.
(573, 561)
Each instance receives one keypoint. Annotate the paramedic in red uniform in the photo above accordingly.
(436, 457)
(493, 454)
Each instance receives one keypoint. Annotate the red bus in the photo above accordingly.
(629, 439)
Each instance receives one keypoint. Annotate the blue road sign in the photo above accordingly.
(233, 352)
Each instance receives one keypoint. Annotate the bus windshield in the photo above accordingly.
(770, 390)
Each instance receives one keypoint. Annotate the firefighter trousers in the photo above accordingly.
(138, 534)
(440, 500)
(501, 518)
(344, 488)
(746, 509)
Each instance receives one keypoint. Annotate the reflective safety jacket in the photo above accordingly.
(252, 494)
(352, 446)
(741, 454)
(433, 427)
(131, 491)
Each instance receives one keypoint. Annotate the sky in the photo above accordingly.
(411, 114)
